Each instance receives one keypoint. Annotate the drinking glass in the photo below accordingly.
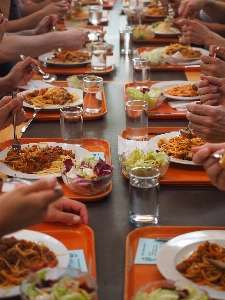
(137, 120)
(92, 94)
(71, 124)
(141, 72)
(99, 51)
(95, 14)
(144, 196)
(126, 39)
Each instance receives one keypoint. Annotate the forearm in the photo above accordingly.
(12, 46)
(28, 22)
(5, 7)
(214, 39)
(34, 7)
(215, 10)
(5, 85)
(215, 27)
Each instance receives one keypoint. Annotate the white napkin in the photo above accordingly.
(178, 59)
(179, 105)
(110, 61)
(35, 84)
(125, 145)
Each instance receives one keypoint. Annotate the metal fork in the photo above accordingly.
(15, 144)
(36, 110)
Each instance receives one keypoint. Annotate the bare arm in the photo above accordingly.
(33, 7)
(31, 21)
(12, 46)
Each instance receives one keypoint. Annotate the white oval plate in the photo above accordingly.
(80, 153)
(179, 248)
(44, 58)
(165, 85)
(53, 107)
(153, 144)
(53, 244)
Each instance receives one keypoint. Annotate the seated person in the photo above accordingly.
(214, 66)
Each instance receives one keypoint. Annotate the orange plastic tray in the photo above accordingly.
(53, 115)
(168, 67)
(164, 111)
(91, 144)
(157, 40)
(178, 174)
(139, 275)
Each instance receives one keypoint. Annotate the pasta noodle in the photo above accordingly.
(38, 160)
(49, 97)
(19, 257)
(182, 91)
(70, 56)
(155, 11)
(179, 146)
(198, 269)
(186, 51)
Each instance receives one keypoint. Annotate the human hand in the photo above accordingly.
(20, 74)
(73, 39)
(10, 107)
(212, 90)
(67, 211)
(46, 24)
(207, 122)
(57, 8)
(212, 66)
(212, 166)
(194, 32)
(27, 205)
(190, 8)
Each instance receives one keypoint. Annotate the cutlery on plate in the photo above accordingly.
(36, 110)
(218, 264)
(15, 144)
(46, 76)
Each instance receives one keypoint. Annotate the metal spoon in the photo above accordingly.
(217, 264)
(46, 77)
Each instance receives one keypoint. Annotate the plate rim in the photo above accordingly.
(171, 248)
(13, 173)
(55, 107)
(33, 235)
(43, 59)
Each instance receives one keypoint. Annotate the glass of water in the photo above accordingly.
(71, 124)
(144, 196)
(92, 94)
(141, 72)
(137, 120)
(95, 14)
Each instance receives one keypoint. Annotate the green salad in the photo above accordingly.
(141, 158)
(188, 292)
(66, 288)
(154, 96)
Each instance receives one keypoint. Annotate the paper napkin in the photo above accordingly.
(179, 105)
(35, 84)
(129, 145)
(178, 59)
(110, 61)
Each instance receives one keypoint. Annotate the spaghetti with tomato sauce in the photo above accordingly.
(20, 257)
(198, 268)
(179, 146)
(37, 159)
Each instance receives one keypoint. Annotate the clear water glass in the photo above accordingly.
(92, 94)
(144, 196)
(141, 72)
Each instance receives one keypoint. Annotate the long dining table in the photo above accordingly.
(186, 205)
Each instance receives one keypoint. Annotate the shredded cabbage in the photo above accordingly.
(152, 96)
(155, 56)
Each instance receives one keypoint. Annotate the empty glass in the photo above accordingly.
(95, 14)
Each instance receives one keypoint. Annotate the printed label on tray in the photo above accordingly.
(77, 260)
(147, 251)
(98, 155)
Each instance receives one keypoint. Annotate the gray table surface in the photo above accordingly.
(109, 217)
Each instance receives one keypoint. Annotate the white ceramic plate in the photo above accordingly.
(54, 107)
(153, 144)
(165, 85)
(44, 58)
(167, 33)
(53, 244)
(181, 247)
(80, 153)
